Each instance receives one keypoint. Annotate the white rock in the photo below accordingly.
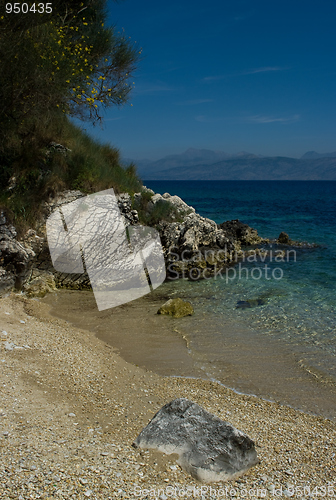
(71, 415)
(9, 346)
(156, 198)
(88, 493)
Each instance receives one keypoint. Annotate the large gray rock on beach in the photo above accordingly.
(208, 448)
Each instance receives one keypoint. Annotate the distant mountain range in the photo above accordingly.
(204, 164)
(312, 155)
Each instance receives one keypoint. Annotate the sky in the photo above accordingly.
(240, 75)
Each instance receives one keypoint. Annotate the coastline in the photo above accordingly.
(202, 346)
(68, 371)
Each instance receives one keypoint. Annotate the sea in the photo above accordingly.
(283, 347)
(286, 342)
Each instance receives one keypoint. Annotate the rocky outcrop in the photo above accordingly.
(177, 308)
(192, 234)
(284, 239)
(194, 246)
(78, 281)
(131, 217)
(209, 449)
(246, 235)
(16, 259)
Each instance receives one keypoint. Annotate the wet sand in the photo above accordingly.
(247, 361)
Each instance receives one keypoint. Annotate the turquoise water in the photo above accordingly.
(298, 309)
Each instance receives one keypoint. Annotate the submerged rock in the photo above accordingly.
(177, 308)
(208, 448)
(243, 304)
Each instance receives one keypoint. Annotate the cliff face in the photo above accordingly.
(16, 258)
(192, 244)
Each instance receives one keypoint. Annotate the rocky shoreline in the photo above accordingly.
(192, 244)
(71, 407)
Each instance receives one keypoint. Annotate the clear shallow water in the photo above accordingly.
(299, 309)
(282, 350)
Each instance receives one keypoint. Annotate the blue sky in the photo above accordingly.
(239, 75)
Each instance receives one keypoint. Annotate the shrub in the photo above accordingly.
(162, 210)
(88, 166)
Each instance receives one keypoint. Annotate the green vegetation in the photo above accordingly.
(86, 165)
(162, 210)
(55, 66)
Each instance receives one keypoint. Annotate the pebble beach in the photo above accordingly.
(71, 408)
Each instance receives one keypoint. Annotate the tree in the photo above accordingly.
(68, 61)
(55, 65)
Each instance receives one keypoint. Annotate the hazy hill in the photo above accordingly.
(190, 158)
(203, 164)
(312, 155)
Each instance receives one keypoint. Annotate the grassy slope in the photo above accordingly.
(34, 171)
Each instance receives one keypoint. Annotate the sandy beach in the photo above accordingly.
(71, 408)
